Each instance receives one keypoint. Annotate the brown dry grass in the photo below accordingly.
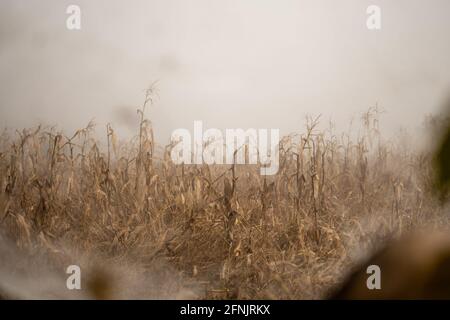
(209, 231)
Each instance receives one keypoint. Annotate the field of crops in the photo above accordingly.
(140, 226)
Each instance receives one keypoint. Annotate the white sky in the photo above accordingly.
(232, 64)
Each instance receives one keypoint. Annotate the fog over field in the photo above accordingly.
(290, 211)
(231, 64)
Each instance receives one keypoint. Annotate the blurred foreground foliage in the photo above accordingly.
(442, 159)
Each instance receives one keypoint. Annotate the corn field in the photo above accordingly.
(142, 227)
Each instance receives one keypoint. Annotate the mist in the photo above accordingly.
(231, 64)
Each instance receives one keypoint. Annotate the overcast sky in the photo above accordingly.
(232, 64)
